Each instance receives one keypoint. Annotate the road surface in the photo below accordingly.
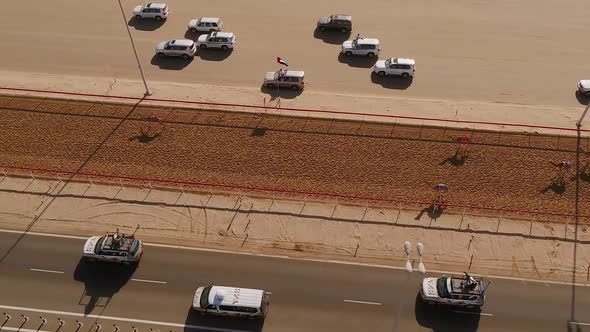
(39, 275)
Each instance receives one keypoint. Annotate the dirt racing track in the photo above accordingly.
(501, 170)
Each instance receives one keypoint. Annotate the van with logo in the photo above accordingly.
(231, 301)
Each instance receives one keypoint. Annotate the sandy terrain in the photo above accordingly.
(504, 51)
(502, 170)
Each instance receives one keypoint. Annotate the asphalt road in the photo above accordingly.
(526, 51)
(306, 296)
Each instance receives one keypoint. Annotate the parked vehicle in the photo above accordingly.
(205, 24)
(231, 301)
(340, 22)
(292, 79)
(113, 248)
(157, 11)
(184, 48)
(361, 46)
(464, 291)
(222, 40)
(395, 66)
(584, 87)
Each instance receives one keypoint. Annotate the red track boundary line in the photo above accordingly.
(292, 109)
(283, 191)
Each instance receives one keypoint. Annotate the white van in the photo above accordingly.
(231, 301)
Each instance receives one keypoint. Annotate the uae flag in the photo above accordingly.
(282, 62)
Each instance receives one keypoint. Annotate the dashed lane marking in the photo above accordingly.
(363, 302)
(150, 281)
(47, 271)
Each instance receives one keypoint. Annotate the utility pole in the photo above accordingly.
(577, 209)
(147, 90)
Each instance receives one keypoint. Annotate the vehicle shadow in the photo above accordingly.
(392, 82)
(331, 37)
(275, 93)
(193, 35)
(101, 282)
(197, 321)
(213, 54)
(583, 100)
(441, 319)
(357, 61)
(170, 63)
(145, 25)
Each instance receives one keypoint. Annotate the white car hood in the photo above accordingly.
(202, 38)
(90, 245)
(429, 287)
(380, 64)
(347, 44)
(585, 84)
(324, 20)
(193, 23)
(161, 46)
(137, 9)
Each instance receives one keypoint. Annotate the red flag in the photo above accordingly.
(282, 62)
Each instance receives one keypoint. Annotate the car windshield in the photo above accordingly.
(387, 62)
(354, 43)
(98, 245)
(134, 248)
(204, 301)
(441, 287)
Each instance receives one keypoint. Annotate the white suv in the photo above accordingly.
(395, 66)
(361, 46)
(157, 11)
(222, 40)
(184, 48)
(205, 24)
(584, 87)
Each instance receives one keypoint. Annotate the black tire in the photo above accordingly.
(270, 86)
(382, 73)
(224, 47)
(194, 30)
(138, 17)
(161, 55)
(185, 56)
(322, 29)
(158, 18)
(371, 54)
(348, 53)
(294, 87)
(405, 75)
(203, 46)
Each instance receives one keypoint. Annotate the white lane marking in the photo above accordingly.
(150, 281)
(363, 302)
(580, 323)
(48, 271)
(6, 328)
(302, 259)
(113, 318)
(473, 313)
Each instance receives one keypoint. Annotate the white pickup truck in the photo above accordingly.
(115, 248)
(464, 291)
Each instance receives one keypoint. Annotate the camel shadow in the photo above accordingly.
(557, 185)
(458, 159)
(145, 137)
(434, 211)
